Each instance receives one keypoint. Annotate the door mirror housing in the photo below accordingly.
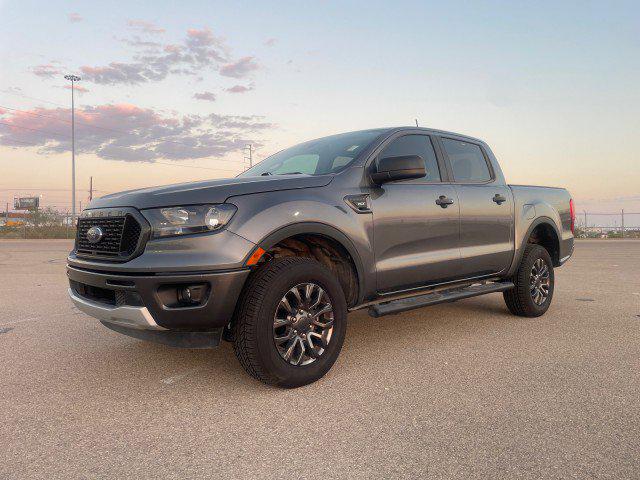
(399, 168)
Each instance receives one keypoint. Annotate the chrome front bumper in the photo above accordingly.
(126, 316)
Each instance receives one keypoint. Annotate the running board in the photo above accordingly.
(442, 296)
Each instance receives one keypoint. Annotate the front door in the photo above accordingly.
(486, 210)
(416, 223)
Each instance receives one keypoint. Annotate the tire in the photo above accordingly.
(254, 331)
(523, 300)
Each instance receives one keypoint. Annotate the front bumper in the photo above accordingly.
(137, 322)
(141, 303)
(125, 315)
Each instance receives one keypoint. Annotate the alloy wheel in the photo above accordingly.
(539, 282)
(303, 324)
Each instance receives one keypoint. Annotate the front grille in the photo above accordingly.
(110, 243)
(130, 235)
(120, 236)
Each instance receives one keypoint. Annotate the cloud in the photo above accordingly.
(122, 73)
(246, 123)
(205, 46)
(209, 96)
(47, 70)
(144, 26)
(137, 42)
(239, 89)
(270, 42)
(77, 88)
(154, 61)
(239, 69)
(74, 17)
(130, 133)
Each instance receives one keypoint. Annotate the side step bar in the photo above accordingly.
(442, 296)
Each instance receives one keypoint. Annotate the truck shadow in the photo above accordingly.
(370, 345)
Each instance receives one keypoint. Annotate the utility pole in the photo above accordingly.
(90, 188)
(248, 154)
(6, 215)
(585, 220)
(73, 79)
(622, 224)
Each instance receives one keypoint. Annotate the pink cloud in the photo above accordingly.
(208, 96)
(154, 62)
(47, 70)
(144, 26)
(74, 17)
(240, 68)
(239, 89)
(129, 132)
(77, 88)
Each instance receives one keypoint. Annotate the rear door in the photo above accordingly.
(486, 209)
(415, 238)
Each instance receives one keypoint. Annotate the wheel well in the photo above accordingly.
(545, 236)
(328, 252)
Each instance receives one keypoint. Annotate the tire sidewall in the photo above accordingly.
(287, 374)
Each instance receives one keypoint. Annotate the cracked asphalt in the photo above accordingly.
(461, 390)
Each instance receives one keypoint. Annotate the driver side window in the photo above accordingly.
(416, 145)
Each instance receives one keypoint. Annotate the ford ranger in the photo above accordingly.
(273, 260)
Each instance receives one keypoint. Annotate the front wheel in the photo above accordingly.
(290, 323)
(534, 282)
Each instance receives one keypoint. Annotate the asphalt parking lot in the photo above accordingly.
(462, 390)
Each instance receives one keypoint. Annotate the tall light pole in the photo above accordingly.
(73, 79)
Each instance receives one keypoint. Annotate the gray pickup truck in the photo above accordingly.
(273, 260)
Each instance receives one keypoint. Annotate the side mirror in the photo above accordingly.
(399, 168)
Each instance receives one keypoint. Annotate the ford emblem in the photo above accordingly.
(94, 234)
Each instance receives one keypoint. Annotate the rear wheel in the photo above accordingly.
(534, 283)
(290, 323)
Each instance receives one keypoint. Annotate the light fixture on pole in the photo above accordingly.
(73, 79)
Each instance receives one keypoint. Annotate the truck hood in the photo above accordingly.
(209, 191)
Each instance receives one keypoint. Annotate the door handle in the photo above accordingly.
(499, 199)
(444, 201)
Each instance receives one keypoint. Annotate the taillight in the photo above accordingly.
(572, 209)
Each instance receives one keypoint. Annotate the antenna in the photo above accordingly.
(417, 123)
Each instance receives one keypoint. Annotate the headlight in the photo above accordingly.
(166, 222)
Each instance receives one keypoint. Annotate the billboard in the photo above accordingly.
(26, 203)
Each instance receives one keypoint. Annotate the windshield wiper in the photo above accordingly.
(264, 174)
(291, 173)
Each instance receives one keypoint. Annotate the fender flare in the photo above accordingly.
(535, 223)
(316, 228)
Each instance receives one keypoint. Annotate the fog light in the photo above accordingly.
(191, 294)
(183, 295)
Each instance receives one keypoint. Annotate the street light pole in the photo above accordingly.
(73, 79)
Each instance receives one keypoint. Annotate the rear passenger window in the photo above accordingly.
(467, 161)
(416, 145)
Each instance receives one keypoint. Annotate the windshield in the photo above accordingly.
(316, 157)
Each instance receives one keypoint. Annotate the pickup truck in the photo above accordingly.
(273, 260)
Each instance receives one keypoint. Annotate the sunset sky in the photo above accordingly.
(172, 91)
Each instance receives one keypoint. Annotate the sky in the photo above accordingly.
(173, 91)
